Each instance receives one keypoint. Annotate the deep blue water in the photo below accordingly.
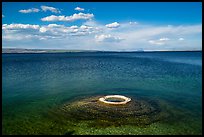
(32, 83)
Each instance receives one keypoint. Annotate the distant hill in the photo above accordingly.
(19, 50)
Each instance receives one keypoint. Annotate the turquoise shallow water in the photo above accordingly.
(33, 84)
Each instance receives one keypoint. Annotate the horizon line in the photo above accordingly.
(67, 50)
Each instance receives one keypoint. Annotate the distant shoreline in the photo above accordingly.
(18, 50)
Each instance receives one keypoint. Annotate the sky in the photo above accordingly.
(106, 26)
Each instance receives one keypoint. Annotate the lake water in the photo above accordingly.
(34, 84)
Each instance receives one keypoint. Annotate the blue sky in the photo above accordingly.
(102, 25)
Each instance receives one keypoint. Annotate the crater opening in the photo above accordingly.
(115, 99)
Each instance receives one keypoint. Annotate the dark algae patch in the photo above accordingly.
(137, 112)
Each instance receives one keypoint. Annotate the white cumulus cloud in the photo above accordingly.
(181, 39)
(29, 10)
(107, 38)
(43, 29)
(160, 41)
(164, 39)
(52, 9)
(79, 9)
(73, 17)
(155, 42)
(19, 26)
(113, 25)
(74, 27)
(65, 31)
